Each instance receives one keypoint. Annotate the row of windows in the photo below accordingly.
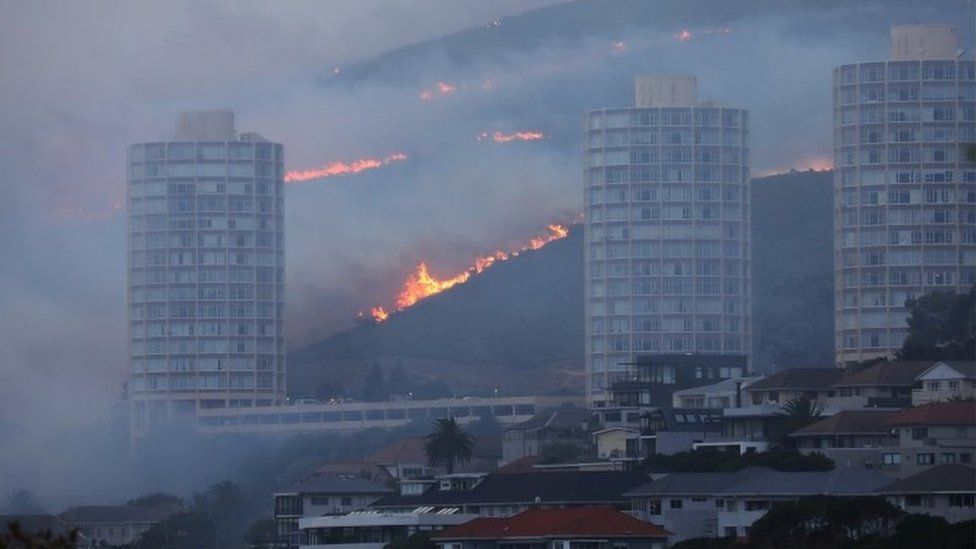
(906, 70)
(156, 382)
(204, 203)
(906, 216)
(163, 275)
(675, 267)
(674, 174)
(204, 310)
(895, 297)
(930, 195)
(900, 154)
(878, 114)
(207, 150)
(874, 135)
(623, 325)
(161, 188)
(192, 345)
(666, 286)
(205, 292)
(929, 91)
(677, 230)
(668, 342)
(190, 239)
(880, 176)
(190, 170)
(939, 276)
(217, 257)
(202, 364)
(731, 305)
(665, 193)
(729, 212)
(160, 222)
(904, 237)
(666, 136)
(642, 249)
(667, 155)
(668, 116)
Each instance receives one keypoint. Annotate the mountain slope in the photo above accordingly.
(519, 325)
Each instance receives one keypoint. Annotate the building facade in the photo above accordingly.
(205, 271)
(667, 230)
(904, 186)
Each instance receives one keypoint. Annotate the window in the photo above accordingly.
(891, 459)
(730, 532)
(320, 500)
(676, 503)
(913, 501)
(961, 500)
(919, 433)
(925, 459)
(948, 458)
(654, 507)
(346, 502)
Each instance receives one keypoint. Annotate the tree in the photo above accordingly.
(448, 444)
(188, 530)
(798, 412)
(706, 460)
(226, 505)
(14, 535)
(261, 533)
(825, 521)
(941, 326)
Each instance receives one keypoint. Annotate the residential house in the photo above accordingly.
(724, 394)
(321, 494)
(507, 494)
(372, 529)
(571, 528)
(946, 491)
(694, 505)
(672, 430)
(784, 385)
(117, 524)
(944, 381)
(884, 384)
(935, 433)
(853, 437)
(565, 425)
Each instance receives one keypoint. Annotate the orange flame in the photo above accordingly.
(499, 137)
(421, 284)
(342, 168)
(440, 89)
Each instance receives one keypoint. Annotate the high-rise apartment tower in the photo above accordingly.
(667, 230)
(205, 271)
(904, 186)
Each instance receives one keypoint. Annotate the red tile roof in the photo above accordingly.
(936, 413)
(566, 522)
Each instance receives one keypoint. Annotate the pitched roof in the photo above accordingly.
(405, 450)
(119, 513)
(884, 373)
(566, 416)
(848, 422)
(964, 367)
(335, 484)
(936, 413)
(524, 464)
(594, 487)
(568, 522)
(798, 379)
(766, 481)
(724, 386)
(951, 478)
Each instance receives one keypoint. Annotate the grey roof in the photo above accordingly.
(948, 478)
(964, 367)
(798, 379)
(335, 484)
(724, 386)
(566, 416)
(763, 481)
(885, 374)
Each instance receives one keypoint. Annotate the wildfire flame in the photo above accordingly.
(342, 168)
(440, 89)
(499, 137)
(421, 284)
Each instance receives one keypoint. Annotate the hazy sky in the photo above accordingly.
(81, 80)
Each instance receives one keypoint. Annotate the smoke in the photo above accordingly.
(82, 81)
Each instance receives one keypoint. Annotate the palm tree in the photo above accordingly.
(798, 412)
(448, 444)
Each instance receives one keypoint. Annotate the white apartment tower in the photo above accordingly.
(205, 271)
(667, 257)
(904, 189)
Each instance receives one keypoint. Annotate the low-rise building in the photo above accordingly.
(784, 385)
(573, 528)
(318, 495)
(724, 394)
(884, 384)
(507, 494)
(726, 504)
(372, 529)
(116, 524)
(947, 491)
(944, 381)
(565, 425)
(853, 437)
(935, 433)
